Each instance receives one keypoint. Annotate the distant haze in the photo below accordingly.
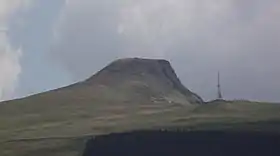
(200, 37)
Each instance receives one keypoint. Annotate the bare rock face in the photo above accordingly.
(143, 80)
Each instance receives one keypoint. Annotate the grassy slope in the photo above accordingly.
(59, 122)
(60, 125)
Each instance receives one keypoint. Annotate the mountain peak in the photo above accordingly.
(154, 78)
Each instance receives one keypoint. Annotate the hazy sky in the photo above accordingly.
(45, 44)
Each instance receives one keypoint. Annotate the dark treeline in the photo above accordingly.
(179, 143)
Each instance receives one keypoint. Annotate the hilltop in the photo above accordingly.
(144, 80)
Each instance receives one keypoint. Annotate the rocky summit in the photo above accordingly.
(143, 80)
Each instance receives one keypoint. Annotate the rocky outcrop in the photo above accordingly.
(144, 79)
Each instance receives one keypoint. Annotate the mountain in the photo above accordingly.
(143, 80)
(129, 94)
(130, 80)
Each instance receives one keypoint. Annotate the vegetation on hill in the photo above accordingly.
(129, 94)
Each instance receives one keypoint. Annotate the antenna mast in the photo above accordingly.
(220, 97)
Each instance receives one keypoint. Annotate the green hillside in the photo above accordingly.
(118, 99)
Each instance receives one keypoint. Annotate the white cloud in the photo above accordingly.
(9, 57)
(9, 68)
(8, 7)
(160, 24)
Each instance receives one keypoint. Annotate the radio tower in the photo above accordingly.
(220, 97)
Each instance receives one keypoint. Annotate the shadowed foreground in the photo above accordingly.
(154, 143)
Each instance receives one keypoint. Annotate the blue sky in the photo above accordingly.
(46, 44)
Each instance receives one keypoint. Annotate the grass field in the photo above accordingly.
(29, 127)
